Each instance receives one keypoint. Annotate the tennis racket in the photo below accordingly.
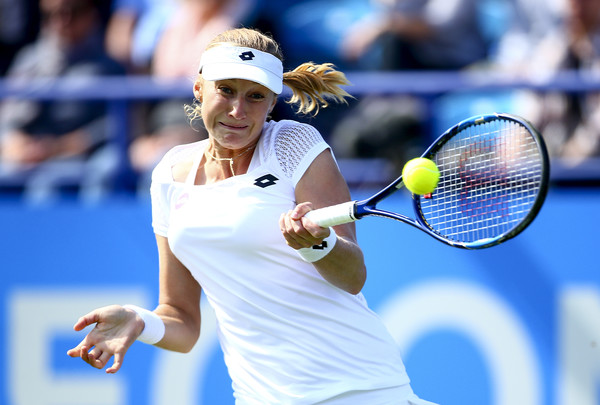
(494, 172)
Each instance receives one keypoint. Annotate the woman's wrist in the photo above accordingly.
(317, 252)
(154, 327)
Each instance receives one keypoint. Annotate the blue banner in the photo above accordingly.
(515, 324)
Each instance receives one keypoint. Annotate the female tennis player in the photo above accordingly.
(228, 213)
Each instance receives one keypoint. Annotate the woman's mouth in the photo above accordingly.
(234, 126)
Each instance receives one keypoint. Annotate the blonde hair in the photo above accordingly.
(312, 85)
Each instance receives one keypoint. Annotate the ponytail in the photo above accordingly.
(314, 85)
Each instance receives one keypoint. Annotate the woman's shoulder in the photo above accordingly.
(277, 126)
(291, 133)
(294, 134)
(291, 145)
(176, 157)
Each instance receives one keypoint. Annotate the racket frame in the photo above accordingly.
(368, 207)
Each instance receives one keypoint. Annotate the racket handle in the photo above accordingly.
(333, 215)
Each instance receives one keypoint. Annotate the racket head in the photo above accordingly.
(494, 173)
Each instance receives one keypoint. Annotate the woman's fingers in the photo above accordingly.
(296, 234)
(86, 320)
(98, 358)
(117, 363)
(81, 350)
(102, 360)
(83, 353)
(74, 352)
(300, 210)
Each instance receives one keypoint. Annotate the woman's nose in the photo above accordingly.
(238, 108)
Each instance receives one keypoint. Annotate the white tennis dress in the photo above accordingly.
(288, 336)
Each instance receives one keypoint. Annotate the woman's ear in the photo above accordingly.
(273, 104)
(198, 90)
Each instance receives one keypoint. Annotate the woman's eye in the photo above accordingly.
(257, 96)
(225, 90)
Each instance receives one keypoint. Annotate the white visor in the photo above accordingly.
(234, 62)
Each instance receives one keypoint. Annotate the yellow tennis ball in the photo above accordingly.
(420, 176)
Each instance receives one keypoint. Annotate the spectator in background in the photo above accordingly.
(421, 34)
(526, 22)
(19, 23)
(314, 29)
(133, 30)
(412, 35)
(187, 31)
(191, 27)
(47, 143)
(570, 122)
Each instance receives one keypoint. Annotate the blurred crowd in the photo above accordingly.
(48, 146)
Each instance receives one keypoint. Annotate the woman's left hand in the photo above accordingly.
(300, 232)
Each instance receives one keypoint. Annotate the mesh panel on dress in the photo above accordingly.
(292, 144)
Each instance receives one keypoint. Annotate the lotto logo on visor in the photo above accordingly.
(248, 55)
(233, 62)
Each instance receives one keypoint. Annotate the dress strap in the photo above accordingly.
(191, 177)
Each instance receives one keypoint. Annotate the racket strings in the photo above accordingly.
(491, 174)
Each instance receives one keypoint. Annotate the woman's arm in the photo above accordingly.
(179, 301)
(320, 186)
(117, 327)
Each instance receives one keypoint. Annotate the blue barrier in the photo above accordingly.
(122, 92)
(419, 83)
(514, 324)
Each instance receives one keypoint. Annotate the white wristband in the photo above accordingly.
(317, 252)
(154, 327)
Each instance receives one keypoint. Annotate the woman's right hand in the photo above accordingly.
(115, 331)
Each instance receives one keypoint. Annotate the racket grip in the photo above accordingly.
(333, 215)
